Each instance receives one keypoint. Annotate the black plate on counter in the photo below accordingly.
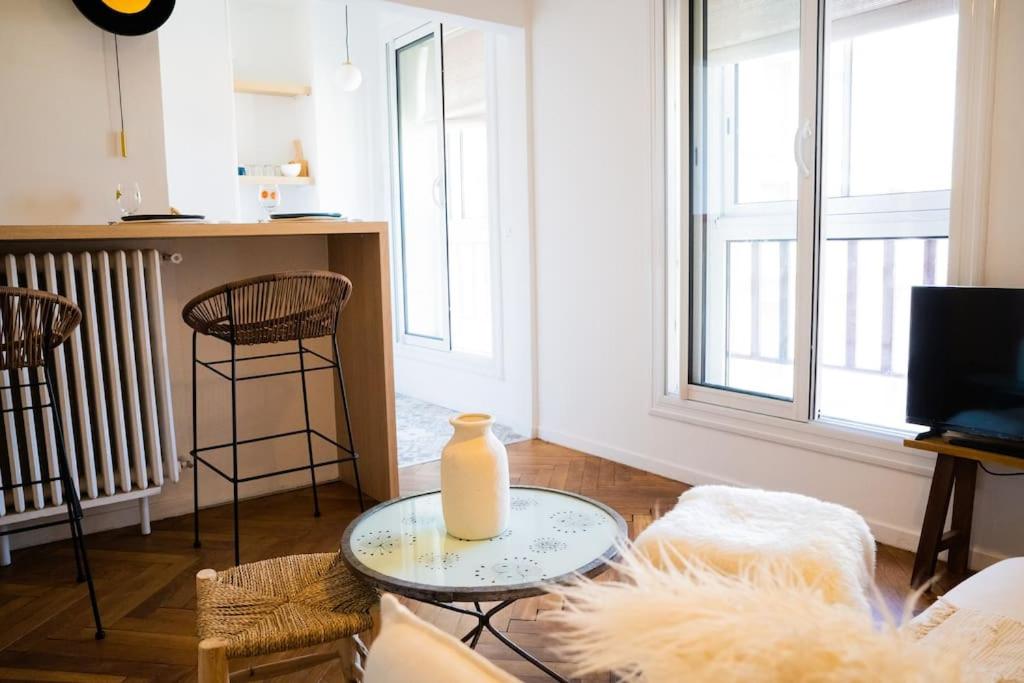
(163, 217)
(311, 214)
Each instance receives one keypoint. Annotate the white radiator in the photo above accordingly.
(112, 383)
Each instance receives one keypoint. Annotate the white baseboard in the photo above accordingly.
(885, 532)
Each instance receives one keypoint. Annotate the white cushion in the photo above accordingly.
(997, 590)
(409, 650)
(730, 528)
(983, 617)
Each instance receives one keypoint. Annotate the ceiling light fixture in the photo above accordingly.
(349, 76)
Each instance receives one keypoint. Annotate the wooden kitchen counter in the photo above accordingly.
(150, 231)
(359, 250)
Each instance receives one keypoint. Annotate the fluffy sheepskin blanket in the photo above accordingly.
(694, 623)
(733, 528)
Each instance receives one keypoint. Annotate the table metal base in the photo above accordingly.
(484, 619)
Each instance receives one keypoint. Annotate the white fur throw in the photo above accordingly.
(732, 528)
(691, 622)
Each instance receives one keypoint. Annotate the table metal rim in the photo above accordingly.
(421, 591)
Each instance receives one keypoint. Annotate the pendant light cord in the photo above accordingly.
(348, 57)
(120, 96)
(117, 69)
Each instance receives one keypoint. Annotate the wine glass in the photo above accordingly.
(270, 198)
(128, 202)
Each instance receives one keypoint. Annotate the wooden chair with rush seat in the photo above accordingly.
(283, 604)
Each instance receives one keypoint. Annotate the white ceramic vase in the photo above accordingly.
(474, 479)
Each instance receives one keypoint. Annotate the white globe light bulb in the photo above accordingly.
(349, 76)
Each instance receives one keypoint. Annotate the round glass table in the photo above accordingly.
(402, 547)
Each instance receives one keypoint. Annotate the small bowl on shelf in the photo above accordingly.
(291, 170)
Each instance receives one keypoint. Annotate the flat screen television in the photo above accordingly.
(966, 364)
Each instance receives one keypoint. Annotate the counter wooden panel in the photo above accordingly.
(359, 250)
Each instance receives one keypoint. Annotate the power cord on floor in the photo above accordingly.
(1001, 474)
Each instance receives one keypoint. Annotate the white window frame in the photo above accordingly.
(967, 226)
(442, 343)
(418, 347)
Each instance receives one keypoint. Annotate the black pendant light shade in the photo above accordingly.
(126, 17)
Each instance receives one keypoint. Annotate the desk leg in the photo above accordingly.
(965, 476)
(934, 520)
(954, 478)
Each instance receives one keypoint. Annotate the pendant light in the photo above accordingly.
(349, 76)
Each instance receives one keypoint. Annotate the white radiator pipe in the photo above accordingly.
(144, 516)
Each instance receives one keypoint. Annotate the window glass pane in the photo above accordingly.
(889, 130)
(421, 183)
(760, 308)
(865, 325)
(767, 107)
(901, 113)
(744, 185)
(469, 232)
(837, 118)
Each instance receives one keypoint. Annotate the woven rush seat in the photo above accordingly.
(271, 308)
(33, 323)
(283, 604)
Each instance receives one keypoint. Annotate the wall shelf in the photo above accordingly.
(273, 89)
(273, 180)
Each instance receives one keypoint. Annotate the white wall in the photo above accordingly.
(59, 117)
(270, 42)
(595, 230)
(199, 112)
(352, 168)
(507, 12)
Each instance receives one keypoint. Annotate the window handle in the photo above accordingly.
(802, 133)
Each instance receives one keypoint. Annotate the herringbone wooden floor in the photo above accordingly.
(146, 584)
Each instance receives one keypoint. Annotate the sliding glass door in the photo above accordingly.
(753, 186)
(888, 160)
(820, 162)
(441, 164)
(419, 148)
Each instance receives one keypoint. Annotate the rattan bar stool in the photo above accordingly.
(282, 604)
(281, 307)
(32, 325)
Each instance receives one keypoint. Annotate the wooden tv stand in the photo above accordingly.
(956, 470)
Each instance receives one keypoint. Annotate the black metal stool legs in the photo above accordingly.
(195, 446)
(309, 432)
(349, 454)
(79, 572)
(71, 496)
(348, 421)
(234, 443)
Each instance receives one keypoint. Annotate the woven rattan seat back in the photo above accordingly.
(271, 308)
(32, 323)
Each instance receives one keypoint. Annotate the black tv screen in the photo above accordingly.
(966, 366)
